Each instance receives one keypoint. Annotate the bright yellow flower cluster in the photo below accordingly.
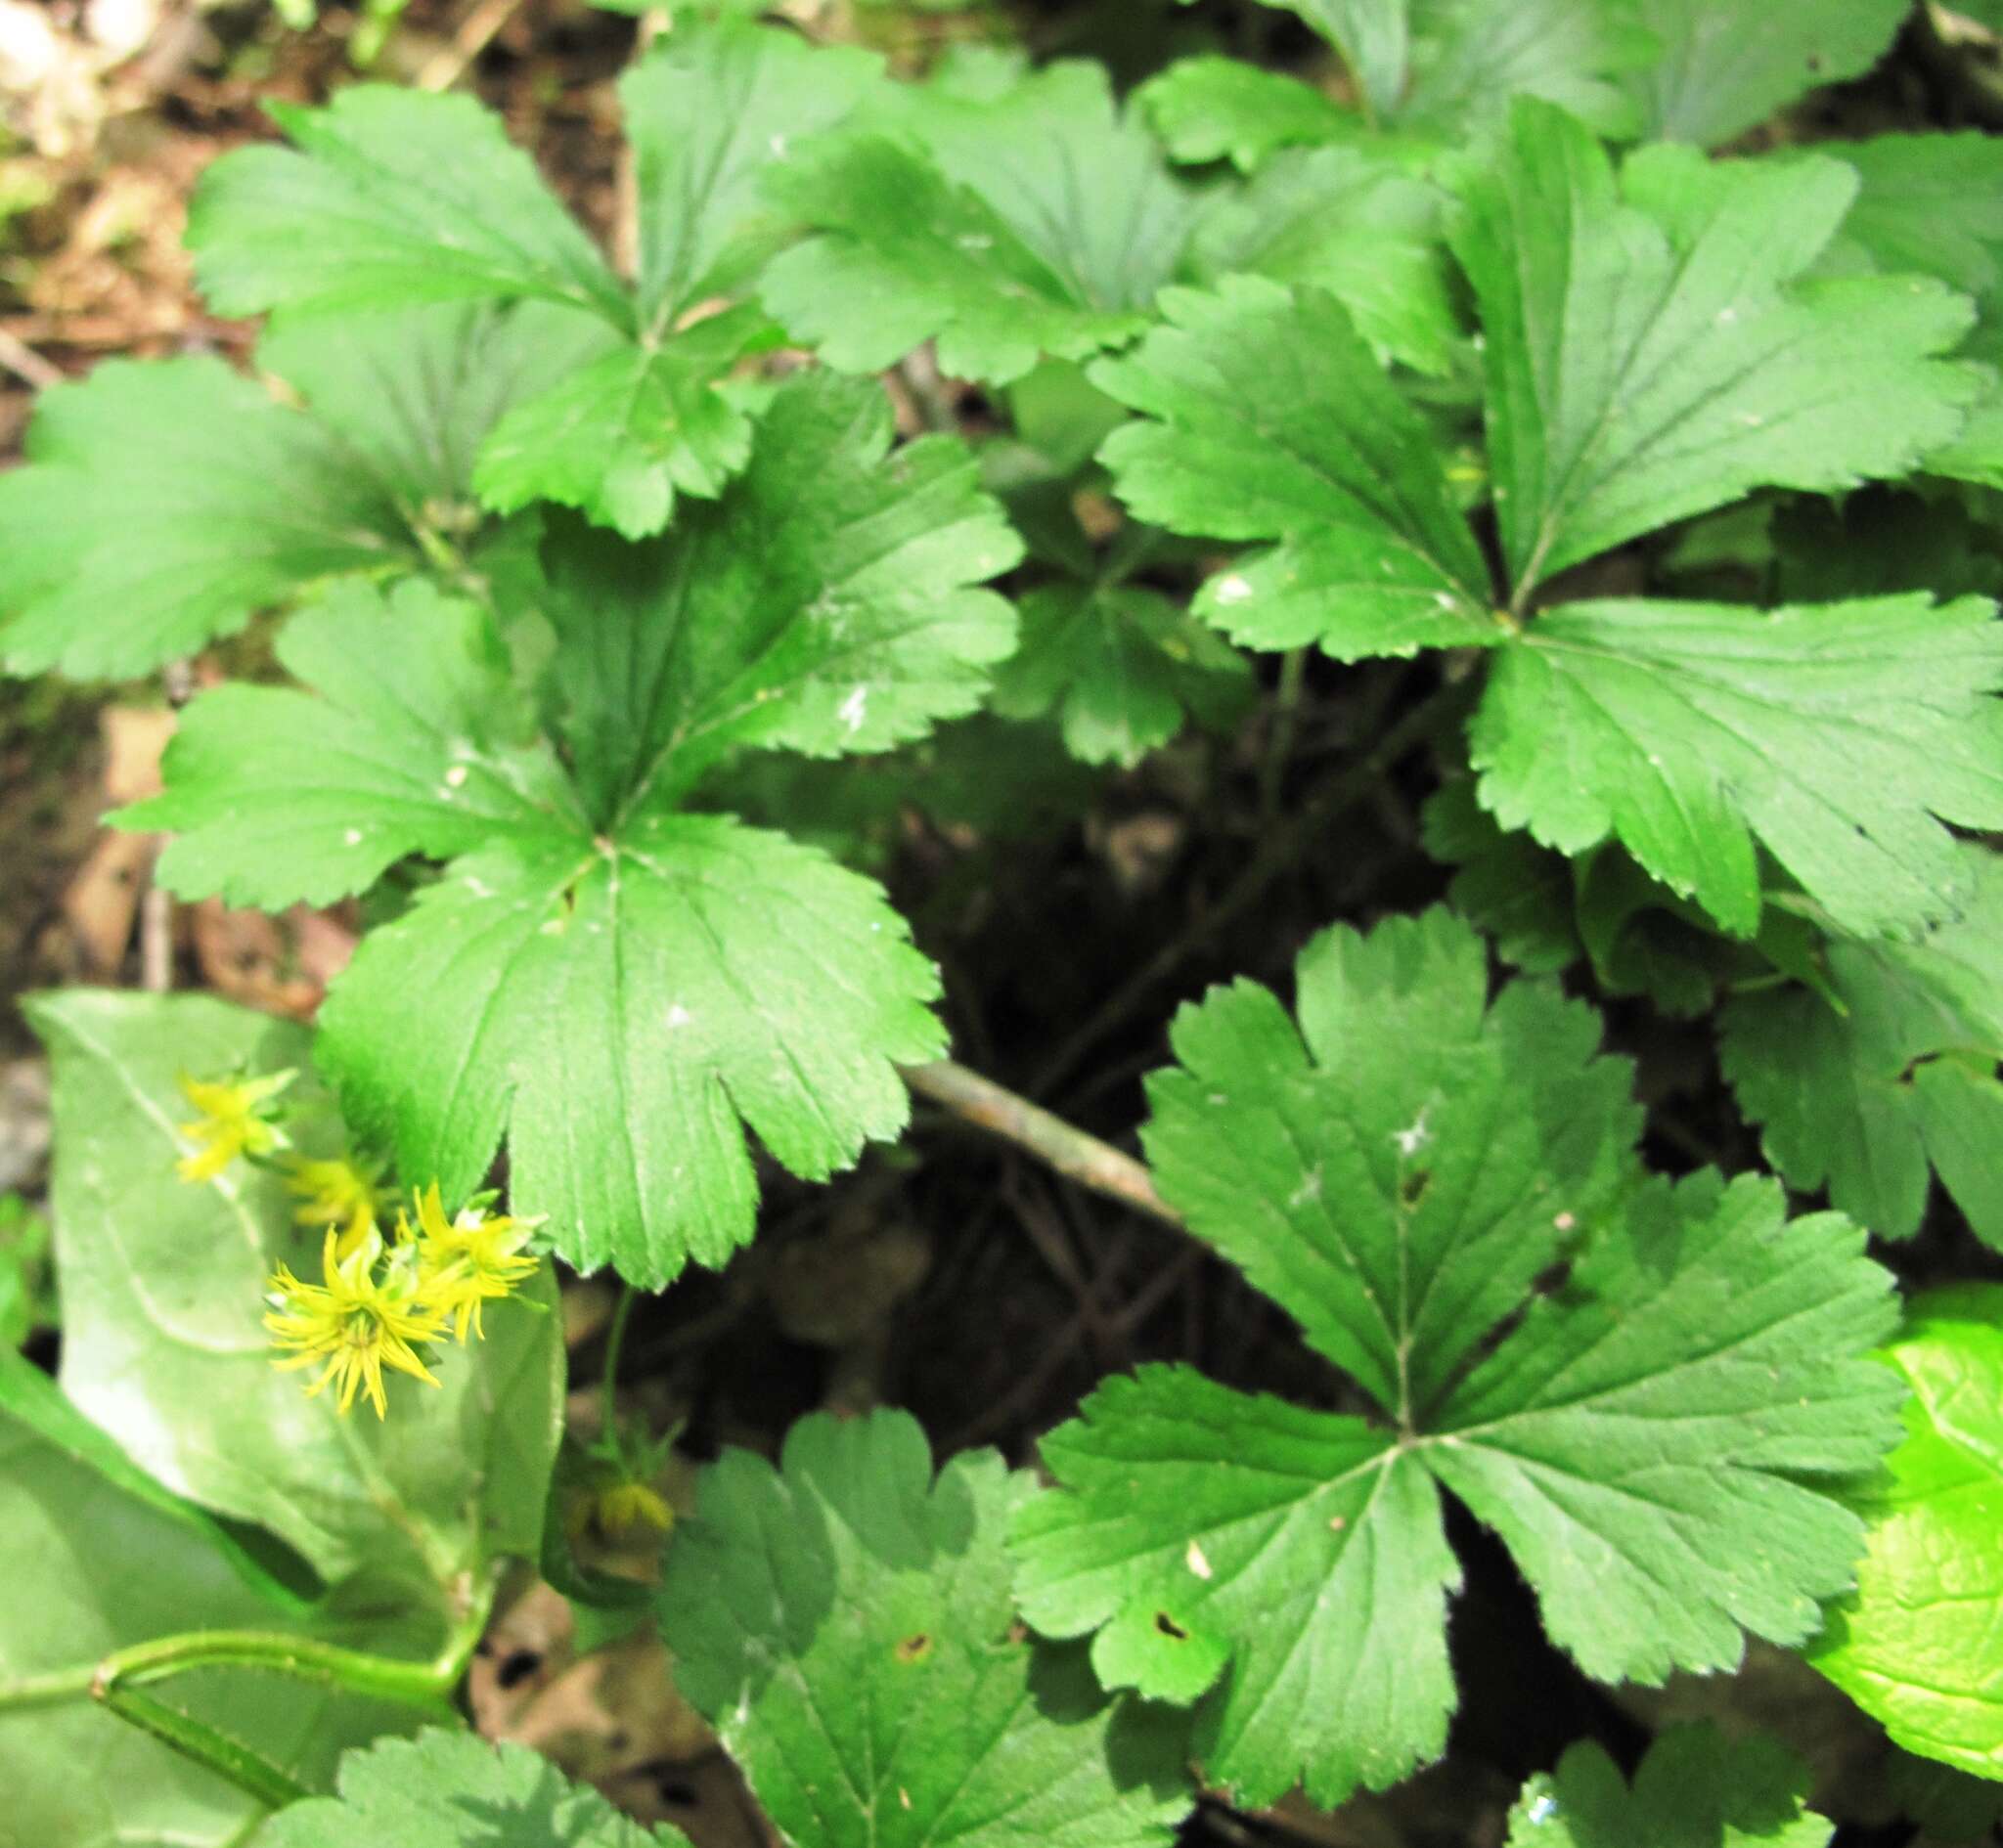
(236, 1119)
(382, 1302)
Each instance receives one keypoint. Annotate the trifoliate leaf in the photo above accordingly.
(1833, 735)
(1040, 224)
(708, 111)
(844, 1621)
(164, 1287)
(1398, 1171)
(1276, 423)
(388, 198)
(1651, 352)
(454, 1790)
(1714, 79)
(1917, 1645)
(1471, 56)
(1695, 1789)
(1222, 109)
(98, 1556)
(1345, 221)
(1122, 666)
(416, 743)
(415, 392)
(1891, 1070)
(691, 979)
(621, 437)
(162, 505)
(1648, 1441)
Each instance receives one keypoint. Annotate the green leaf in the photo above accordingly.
(621, 437)
(162, 1288)
(1039, 224)
(452, 1790)
(708, 112)
(1472, 57)
(221, 502)
(1695, 1789)
(844, 1622)
(388, 198)
(1889, 1072)
(1222, 109)
(1714, 80)
(1351, 223)
(1833, 735)
(1917, 1645)
(1123, 665)
(1372, 36)
(1268, 417)
(1651, 352)
(97, 1557)
(417, 742)
(1518, 892)
(1928, 204)
(1400, 1173)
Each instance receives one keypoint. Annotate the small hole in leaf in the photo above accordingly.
(1169, 1627)
(914, 1649)
(1412, 1188)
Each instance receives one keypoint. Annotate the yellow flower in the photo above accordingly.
(340, 1191)
(468, 1260)
(235, 1119)
(621, 1507)
(356, 1322)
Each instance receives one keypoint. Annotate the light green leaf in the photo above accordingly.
(708, 111)
(417, 742)
(162, 1290)
(1373, 37)
(162, 504)
(1695, 1789)
(1714, 80)
(1123, 665)
(1834, 735)
(1917, 1647)
(1351, 223)
(1928, 204)
(662, 987)
(388, 198)
(1270, 418)
(1650, 1439)
(1222, 109)
(1471, 58)
(97, 1557)
(1651, 352)
(621, 437)
(1201, 1524)
(1400, 1173)
(844, 1622)
(452, 1790)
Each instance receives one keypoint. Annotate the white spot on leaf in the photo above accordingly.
(1195, 1560)
(851, 709)
(1232, 589)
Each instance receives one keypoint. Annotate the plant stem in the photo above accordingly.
(214, 1750)
(1072, 1153)
(615, 1341)
(1279, 745)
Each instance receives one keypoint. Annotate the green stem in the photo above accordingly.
(201, 1743)
(1279, 745)
(615, 1341)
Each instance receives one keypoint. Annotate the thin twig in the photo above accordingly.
(1079, 1156)
(475, 33)
(27, 364)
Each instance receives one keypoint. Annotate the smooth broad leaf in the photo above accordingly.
(97, 1557)
(1267, 417)
(669, 989)
(1695, 1789)
(825, 605)
(1714, 78)
(1470, 58)
(708, 111)
(389, 197)
(845, 1623)
(412, 740)
(162, 1290)
(453, 1791)
(1651, 352)
(1917, 1647)
(621, 437)
(1833, 735)
(1123, 665)
(1399, 1171)
(1657, 1439)
(1889, 1072)
(1351, 223)
(162, 504)
(1201, 1526)
(1223, 109)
